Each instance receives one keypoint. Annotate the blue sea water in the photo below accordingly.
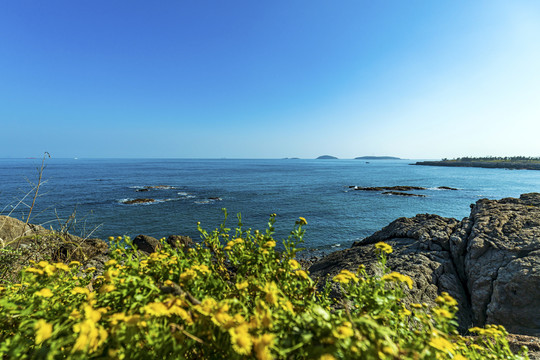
(197, 190)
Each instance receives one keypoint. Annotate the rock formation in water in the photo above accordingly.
(489, 261)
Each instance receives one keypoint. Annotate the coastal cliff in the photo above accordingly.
(489, 262)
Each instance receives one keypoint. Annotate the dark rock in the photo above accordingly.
(146, 243)
(489, 262)
(179, 242)
(446, 188)
(139, 201)
(389, 188)
(143, 189)
(401, 194)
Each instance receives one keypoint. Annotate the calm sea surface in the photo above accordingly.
(198, 189)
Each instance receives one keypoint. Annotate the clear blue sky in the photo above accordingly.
(269, 79)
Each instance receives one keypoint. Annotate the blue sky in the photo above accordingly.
(269, 79)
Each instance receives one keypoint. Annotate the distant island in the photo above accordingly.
(326, 157)
(509, 162)
(377, 158)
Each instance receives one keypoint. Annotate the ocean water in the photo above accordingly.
(197, 190)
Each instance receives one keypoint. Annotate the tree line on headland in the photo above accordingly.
(497, 158)
(505, 162)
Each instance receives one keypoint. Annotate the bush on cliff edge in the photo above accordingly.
(232, 296)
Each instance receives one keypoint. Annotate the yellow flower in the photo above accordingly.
(182, 313)
(416, 306)
(34, 271)
(90, 269)
(207, 306)
(404, 311)
(302, 221)
(111, 262)
(46, 293)
(90, 336)
(343, 331)
(327, 357)
(106, 288)
(110, 274)
(62, 266)
(116, 318)
(270, 244)
(302, 274)
(188, 275)
(80, 290)
(287, 306)
(261, 345)
(221, 317)
(294, 264)
(272, 293)
(74, 263)
(445, 298)
(242, 285)
(489, 330)
(397, 277)
(442, 344)
(345, 276)
(240, 339)
(43, 331)
(383, 247)
(202, 269)
(442, 313)
(156, 309)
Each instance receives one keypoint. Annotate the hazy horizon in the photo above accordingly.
(130, 79)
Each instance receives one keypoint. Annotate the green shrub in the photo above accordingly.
(232, 296)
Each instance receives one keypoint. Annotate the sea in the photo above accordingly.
(88, 196)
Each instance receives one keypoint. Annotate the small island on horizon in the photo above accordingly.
(377, 158)
(326, 157)
(507, 162)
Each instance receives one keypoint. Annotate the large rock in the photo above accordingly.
(489, 262)
(12, 230)
(25, 242)
(146, 243)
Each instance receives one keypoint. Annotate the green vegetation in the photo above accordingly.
(527, 159)
(233, 296)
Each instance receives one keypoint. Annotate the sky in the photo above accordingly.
(269, 79)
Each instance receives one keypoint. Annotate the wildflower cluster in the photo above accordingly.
(231, 296)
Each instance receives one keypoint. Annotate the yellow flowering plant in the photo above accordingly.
(236, 294)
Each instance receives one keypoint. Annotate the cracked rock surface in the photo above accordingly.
(489, 262)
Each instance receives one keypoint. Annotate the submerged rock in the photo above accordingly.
(389, 188)
(401, 194)
(138, 201)
(489, 262)
(446, 188)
